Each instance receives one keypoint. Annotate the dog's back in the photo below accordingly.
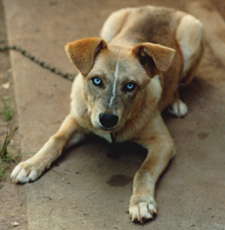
(144, 24)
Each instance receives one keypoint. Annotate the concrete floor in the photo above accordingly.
(85, 189)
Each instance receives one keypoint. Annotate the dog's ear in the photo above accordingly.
(154, 58)
(84, 51)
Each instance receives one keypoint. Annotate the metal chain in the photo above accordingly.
(67, 76)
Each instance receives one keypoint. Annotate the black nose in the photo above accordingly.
(108, 120)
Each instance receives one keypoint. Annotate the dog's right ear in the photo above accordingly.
(84, 51)
(154, 58)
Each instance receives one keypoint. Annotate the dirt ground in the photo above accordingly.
(13, 198)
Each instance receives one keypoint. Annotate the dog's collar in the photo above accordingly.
(113, 137)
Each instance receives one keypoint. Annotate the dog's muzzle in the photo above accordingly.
(108, 120)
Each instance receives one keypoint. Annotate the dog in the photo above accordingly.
(127, 77)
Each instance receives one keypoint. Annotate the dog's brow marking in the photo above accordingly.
(116, 74)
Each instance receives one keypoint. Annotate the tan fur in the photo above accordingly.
(126, 78)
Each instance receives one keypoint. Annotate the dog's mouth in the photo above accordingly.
(114, 129)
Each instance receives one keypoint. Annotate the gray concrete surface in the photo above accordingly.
(85, 189)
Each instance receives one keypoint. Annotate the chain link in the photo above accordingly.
(67, 76)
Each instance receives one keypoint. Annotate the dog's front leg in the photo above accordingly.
(160, 150)
(32, 168)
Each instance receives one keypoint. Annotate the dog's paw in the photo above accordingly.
(141, 210)
(178, 109)
(26, 171)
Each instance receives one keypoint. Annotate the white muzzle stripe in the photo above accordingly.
(116, 75)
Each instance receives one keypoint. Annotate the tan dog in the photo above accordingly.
(126, 79)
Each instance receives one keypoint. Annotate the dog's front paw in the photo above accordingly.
(142, 209)
(26, 171)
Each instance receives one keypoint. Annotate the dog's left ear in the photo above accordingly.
(154, 58)
(84, 51)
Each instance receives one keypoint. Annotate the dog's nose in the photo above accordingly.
(108, 120)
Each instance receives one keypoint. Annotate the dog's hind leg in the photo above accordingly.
(189, 36)
(114, 24)
(32, 168)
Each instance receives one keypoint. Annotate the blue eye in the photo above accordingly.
(129, 87)
(97, 81)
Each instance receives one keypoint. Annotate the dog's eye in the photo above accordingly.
(97, 81)
(129, 87)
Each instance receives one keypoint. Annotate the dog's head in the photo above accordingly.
(115, 77)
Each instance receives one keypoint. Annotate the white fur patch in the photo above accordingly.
(20, 174)
(116, 75)
(144, 210)
(178, 109)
